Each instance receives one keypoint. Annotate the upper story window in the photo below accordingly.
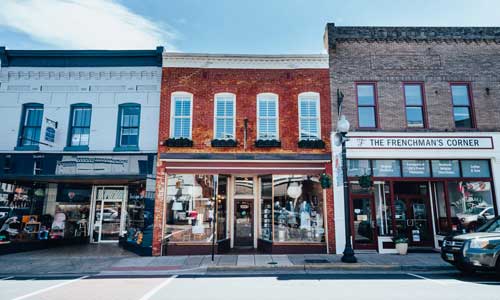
(367, 105)
(31, 125)
(309, 116)
(79, 131)
(462, 109)
(181, 115)
(128, 125)
(225, 116)
(267, 116)
(414, 101)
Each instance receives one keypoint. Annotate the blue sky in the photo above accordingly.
(218, 26)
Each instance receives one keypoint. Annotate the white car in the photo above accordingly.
(476, 216)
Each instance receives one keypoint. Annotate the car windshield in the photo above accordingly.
(491, 226)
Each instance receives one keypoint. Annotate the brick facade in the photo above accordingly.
(435, 57)
(204, 83)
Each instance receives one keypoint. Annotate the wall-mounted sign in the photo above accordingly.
(446, 168)
(49, 131)
(416, 168)
(420, 142)
(386, 168)
(102, 165)
(475, 168)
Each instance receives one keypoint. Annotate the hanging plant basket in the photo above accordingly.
(311, 144)
(224, 143)
(267, 143)
(325, 180)
(180, 142)
(365, 181)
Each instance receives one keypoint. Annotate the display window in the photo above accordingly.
(190, 208)
(298, 209)
(139, 218)
(266, 207)
(72, 211)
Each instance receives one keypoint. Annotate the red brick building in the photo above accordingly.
(244, 148)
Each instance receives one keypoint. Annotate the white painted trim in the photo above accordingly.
(233, 96)
(245, 61)
(172, 110)
(241, 160)
(249, 168)
(316, 97)
(276, 98)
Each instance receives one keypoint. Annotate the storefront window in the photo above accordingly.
(298, 209)
(383, 208)
(471, 203)
(190, 208)
(442, 226)
(21, 217)
(266, 207)
(140, 211)
(72, 211)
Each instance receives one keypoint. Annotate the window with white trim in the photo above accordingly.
(224, 116)
(267, 116)
(182, 113)
(309, 117)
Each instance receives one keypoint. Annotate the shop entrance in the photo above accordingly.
(243, 223)
(412, 213)
(108, 212)
(364, 224)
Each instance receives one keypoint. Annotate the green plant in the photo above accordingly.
(325, 180)
(400, 239)
(178, 142)
(365, 181)
(311, 144)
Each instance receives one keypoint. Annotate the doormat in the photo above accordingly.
(316, 261)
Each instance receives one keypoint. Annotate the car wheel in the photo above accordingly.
(466, 270)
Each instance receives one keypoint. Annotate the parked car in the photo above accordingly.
(475, 251)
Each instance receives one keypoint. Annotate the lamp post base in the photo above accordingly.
(348, 256)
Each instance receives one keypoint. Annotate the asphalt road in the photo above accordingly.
(356, 286)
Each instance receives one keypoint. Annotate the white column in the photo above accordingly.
(338, 198)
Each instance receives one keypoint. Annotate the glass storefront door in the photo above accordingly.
(108, 216)
(363, 220)
(243, 222)
(412, 216)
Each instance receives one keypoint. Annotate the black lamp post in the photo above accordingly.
(342, 129)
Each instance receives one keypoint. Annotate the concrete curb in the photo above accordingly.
(329, 267)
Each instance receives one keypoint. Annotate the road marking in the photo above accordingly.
(152, 292)
(425, 278)
(7, 278)
(49, 288)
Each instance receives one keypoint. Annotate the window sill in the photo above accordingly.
(26, 148)
(76, 148)
(125, 148)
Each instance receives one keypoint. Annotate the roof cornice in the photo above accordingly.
(245, 61)
(336, 34)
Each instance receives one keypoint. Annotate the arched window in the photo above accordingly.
(224, 116)
(181, 115)
(267, 116)
(309, 116)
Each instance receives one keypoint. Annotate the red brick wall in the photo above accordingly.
(246, 84)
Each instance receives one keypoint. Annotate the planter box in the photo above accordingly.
(311, 144)
(267, 143)
(181, 142)
(224, 143)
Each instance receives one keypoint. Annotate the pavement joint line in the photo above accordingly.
(429, 279)
(49, 288)
(155, 290)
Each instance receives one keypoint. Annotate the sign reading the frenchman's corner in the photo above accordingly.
(420, 142)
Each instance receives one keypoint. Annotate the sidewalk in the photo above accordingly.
(43, 263)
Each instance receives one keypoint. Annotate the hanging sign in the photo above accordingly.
(412, 142)
(49, 131)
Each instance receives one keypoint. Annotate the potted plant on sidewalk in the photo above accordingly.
(401, 243)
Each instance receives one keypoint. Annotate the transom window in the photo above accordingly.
(31, 125)
(267, 116)
(309, 116)
(462, 113)
(80, 125)
(129, 118)
(182, 106)
(414, 105)
(224, 116)
(367, 107)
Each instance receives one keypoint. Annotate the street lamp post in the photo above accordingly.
(343, 129)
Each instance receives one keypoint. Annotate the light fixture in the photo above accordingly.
(294, 190)
(343, 125)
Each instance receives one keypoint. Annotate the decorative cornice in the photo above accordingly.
(62, 74)
(336, 34)
(243, 61)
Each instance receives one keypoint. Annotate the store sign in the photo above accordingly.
(475, 168)
(101, 165)
(49, 131)
(400, 142)
(386, 168)
(445, 168)
(416, 168)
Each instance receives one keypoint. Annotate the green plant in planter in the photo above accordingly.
(365, 181)
(325, 180)
(400, 239)
(179, 142)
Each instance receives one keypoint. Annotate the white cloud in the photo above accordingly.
(84, 24)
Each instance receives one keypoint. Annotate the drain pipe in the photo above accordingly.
(245, 122)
